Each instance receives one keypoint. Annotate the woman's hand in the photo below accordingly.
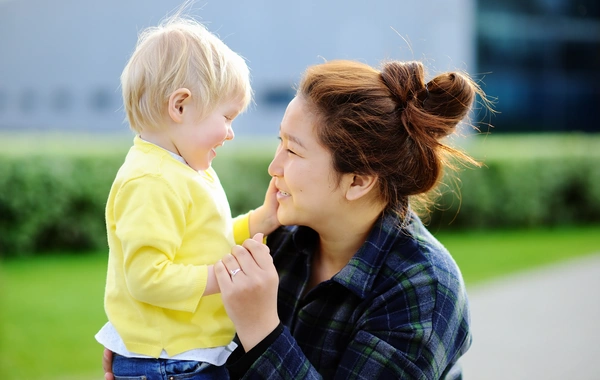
(264, 218)
(107, 359)
(250, 294)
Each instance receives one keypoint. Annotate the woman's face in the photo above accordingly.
(308, 191)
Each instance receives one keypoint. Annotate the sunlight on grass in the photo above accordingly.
(484, 255)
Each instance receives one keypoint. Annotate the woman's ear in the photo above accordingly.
(360, 186)
(179, 99)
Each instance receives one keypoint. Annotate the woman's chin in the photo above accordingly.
(284, 218)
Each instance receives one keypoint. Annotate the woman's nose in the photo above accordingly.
(275, 168)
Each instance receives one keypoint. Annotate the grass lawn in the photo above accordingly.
(51, 307)
(484, 255)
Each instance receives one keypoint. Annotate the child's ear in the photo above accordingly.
(359, 186)
(177, 101)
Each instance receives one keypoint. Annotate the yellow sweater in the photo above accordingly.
(165, 223)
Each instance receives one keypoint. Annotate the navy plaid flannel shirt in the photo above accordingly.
(397, 310)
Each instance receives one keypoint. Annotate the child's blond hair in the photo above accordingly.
(180, 53)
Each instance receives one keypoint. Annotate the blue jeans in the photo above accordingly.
(165, 369)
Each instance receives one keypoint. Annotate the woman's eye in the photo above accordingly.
(287, 149)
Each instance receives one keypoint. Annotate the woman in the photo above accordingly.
(354, 285)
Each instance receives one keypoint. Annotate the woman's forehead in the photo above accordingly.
(298, 120)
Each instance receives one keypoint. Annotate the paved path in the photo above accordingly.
(543, 324)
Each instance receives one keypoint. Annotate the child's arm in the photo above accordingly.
(264, 218)
(149, 227)
(261, 220)
(212, 287)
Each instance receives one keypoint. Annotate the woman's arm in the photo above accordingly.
(416, 329)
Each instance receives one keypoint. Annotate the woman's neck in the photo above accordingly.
(339, 243)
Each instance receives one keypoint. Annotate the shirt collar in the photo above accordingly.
(174, 155)
(362, 269)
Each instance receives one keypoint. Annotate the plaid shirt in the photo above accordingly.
(397, 310)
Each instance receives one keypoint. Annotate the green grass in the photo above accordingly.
(51, 306)
(484, 255)
(50, 309)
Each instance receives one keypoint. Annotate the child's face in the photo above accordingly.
(196, 140)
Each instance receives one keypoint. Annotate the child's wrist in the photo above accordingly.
(258, 222)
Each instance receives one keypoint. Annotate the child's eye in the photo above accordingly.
(228, 118)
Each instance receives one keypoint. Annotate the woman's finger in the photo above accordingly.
(259, 251)
(223, 276)
(258, 237)
(233, 266)
(245, 259)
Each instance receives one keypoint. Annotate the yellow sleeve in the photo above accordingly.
(241, 228)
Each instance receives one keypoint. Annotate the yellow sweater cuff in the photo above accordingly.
(241, 228)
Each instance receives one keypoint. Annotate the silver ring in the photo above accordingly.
(234, 272)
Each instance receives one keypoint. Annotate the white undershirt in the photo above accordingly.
(109, 338)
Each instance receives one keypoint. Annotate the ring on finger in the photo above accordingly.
(234, 271)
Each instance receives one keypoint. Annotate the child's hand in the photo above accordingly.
(264, 218)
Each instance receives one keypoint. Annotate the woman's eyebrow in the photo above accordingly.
(293, 139)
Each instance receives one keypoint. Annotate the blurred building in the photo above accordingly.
(60, 60)
(543, 63)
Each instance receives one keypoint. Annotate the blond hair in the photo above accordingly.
(180, 53)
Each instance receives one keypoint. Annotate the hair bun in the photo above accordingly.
(405, 80)
(450, 96)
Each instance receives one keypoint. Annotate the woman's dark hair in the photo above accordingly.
(389, 123)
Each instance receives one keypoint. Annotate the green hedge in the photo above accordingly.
(543, 191)
(53, 203)
(54, 199)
